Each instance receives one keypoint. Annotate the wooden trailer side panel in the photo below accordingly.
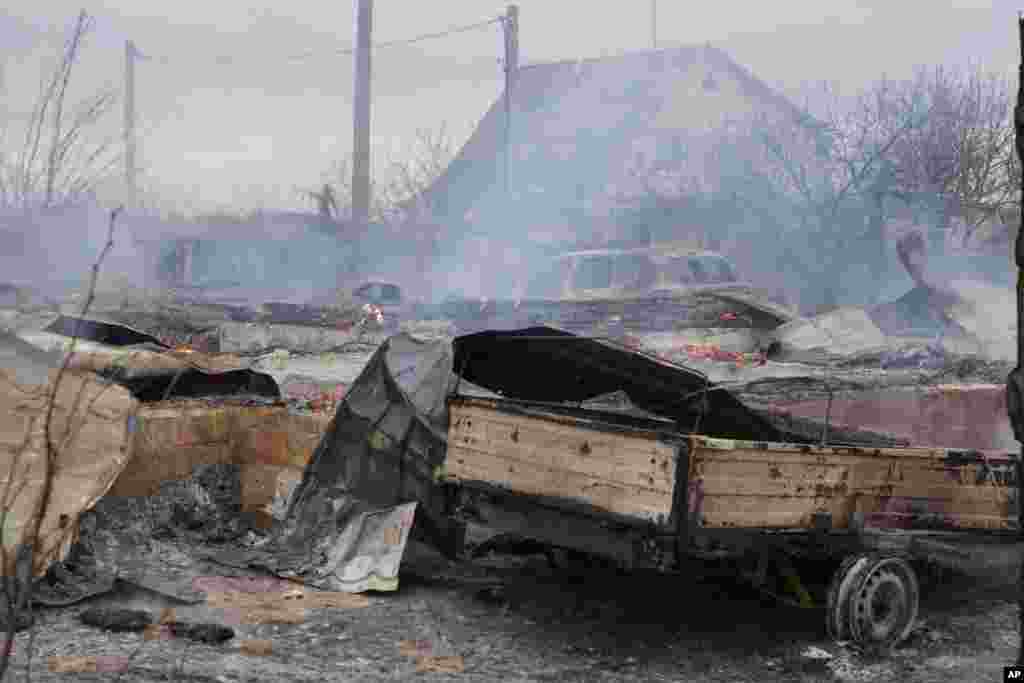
(737, 484)
(626, 472)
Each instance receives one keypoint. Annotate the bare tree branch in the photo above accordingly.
(18, 590)
(57, 151)
(399, 197)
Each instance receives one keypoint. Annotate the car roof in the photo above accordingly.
(668, 252)
(366, 283)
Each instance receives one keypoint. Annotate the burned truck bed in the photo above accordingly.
(507, 429)
(846, 526)
(641, 472)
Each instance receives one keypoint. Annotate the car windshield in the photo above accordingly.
(380, 293)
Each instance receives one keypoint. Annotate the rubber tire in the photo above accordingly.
(844, 581)
(893, 570)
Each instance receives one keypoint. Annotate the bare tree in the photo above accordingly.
(399, 193)
(963, 157)
(59, 160)
(405, 193)
(401, 202)
(940, 139)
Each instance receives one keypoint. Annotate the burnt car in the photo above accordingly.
(628, 273)
(633, 292)
(654, 289)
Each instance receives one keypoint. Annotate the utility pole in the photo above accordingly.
(1015, 382)
(510, 24)
(654, 24)
(130, 54)
(361, 118)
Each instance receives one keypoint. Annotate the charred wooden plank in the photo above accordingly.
(747, 485)
(630, 473)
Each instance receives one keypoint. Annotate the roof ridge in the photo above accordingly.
(620, 55)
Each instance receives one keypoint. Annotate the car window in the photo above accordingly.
(728, 271)
(380, 293)
(721, 268)
(711, 269)
(593, 272)
(634, 271)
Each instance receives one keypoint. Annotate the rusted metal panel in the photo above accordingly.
(624, 471)
(746, 484)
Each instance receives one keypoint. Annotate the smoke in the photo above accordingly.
(56, 248)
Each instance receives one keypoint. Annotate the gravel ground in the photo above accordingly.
(539, 624)
(534, 624)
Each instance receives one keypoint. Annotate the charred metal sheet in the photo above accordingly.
(173, 329)
(549, 365)
(566, 368)
(111, 334)
(385, 444)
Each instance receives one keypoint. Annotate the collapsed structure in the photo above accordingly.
(340, 446)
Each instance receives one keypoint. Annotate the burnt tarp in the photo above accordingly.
(389, 433)
(379, 454)
(152, 384)
(549, 365)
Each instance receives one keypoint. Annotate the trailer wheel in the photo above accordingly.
(843, 583)
(884, 607)
(873, 600)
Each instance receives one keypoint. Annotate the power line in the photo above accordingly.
(442, 34)
(227, 60)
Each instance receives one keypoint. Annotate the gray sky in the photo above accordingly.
(247, 134)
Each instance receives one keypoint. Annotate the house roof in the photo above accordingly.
(588, 110)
